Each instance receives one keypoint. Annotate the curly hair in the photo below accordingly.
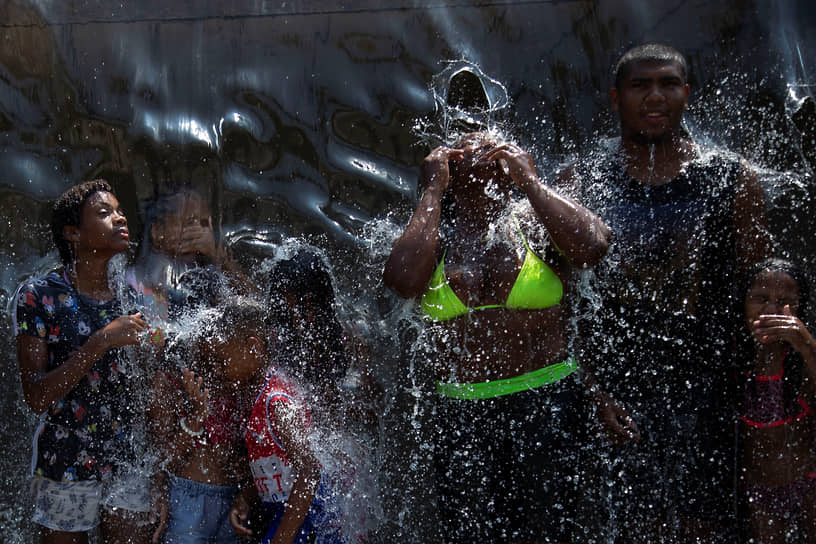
(67, 211)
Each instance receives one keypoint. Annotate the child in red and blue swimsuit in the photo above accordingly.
(778, 466)
(286, 472)
(297, 490)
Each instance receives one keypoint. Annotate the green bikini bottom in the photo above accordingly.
(497, 388)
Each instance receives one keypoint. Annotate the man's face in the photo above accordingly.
(650, 100)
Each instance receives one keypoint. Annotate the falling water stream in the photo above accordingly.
(306, 124)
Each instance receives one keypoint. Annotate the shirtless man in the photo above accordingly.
(683, 223)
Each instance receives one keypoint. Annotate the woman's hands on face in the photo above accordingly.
(515, 162)
(436, 167)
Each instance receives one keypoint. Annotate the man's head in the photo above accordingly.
(651, 92)
(658, 53)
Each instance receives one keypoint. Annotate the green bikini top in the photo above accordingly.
(536, 287)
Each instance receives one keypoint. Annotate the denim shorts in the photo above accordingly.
(199, 513)
(75, 506)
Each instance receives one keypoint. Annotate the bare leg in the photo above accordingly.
(125, 527)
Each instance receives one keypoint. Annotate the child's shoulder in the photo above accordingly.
(278, 386)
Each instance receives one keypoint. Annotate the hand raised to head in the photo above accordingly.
(516, 162)
(436, 169)
(784, 327)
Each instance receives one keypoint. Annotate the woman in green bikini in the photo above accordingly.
(489, 252)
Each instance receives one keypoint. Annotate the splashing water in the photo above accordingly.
(304, 125)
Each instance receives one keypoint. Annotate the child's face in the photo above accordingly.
(769, 294)
(236, 360)
(102, 227)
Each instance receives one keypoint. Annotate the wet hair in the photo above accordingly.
(198, 288)
(67, 211)
(234, 320)
(746, 347)
(241, 317)
(649, 52)
(306, 278)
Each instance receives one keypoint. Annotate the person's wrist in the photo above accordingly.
(198, 418)
(192, 427)
(96, 346)
(436, 188)
(530, 181)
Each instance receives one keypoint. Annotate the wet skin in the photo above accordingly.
(101, 234)
(650, 101)
(493, 343)
(188, 233)
(777, 455)
(233, 368)
(103, 228)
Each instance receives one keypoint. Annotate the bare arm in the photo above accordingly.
(292, 434)
(751, 226)
(576, 231)
(239, 511)
(413, 256)
(788, 328)
(43, 387)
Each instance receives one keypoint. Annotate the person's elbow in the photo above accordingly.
(35, 399)
(589, 254)
(403, 281)
(599, 247)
